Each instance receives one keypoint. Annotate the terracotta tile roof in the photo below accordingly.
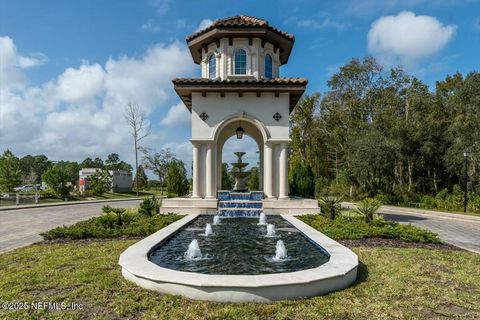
(294, 86)
(241, 21)
(275, 81)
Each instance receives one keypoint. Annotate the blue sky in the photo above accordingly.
(68, 67)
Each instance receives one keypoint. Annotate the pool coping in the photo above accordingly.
(338, 273)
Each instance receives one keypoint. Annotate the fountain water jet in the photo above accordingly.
(270, 230)
(208, 230)
(216, 220)
(280, 251)
(193, 252)
(262, 220)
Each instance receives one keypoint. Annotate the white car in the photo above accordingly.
(27, 187)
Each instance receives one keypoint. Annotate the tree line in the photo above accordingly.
(15, 171)
(381, 132)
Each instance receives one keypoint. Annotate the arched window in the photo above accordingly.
(240, 62)
(268, 67)
(212, 67)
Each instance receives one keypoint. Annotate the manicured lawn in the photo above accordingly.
(127, 195)
(406, 283)
(105, 196)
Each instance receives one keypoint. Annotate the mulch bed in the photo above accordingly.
(395, 243)
(86, 241)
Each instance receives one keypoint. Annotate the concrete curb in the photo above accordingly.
(336, 274)
(68, 203)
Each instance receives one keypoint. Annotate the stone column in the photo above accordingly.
(209, 172)
(268, 171)
(283, 172)
(260, 169)
(195, 172)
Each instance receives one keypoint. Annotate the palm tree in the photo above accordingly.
(330, 206)
(368, 208)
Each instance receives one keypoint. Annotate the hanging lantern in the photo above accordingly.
(240, 131)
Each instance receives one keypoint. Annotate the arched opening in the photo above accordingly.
(252, 156)
(252, 143)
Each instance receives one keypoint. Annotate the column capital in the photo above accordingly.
(273, 142)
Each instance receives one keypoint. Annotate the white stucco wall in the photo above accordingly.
(261, 108)
(255, 58)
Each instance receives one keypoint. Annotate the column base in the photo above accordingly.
(284, 198)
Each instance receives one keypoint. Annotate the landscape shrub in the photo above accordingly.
(330, 206)
(48, 194)
(351, 228)
(428, 202)
(149, 206)
(387, 198)
(107, 226)
(301, 179)
(368, 208)
(474, 202)
(176, 178)
(87, 194)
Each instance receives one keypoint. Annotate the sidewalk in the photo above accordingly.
(67, 203)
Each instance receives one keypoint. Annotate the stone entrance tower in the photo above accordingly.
(240, 92)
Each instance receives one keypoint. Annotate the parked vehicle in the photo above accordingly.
(27, 187)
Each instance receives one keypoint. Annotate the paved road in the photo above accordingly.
(21, 227)
(459, 230)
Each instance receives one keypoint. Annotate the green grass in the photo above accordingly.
(393, 283)
(105, 196)
(351, 227)
(128, 195)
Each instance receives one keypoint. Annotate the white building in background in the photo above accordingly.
(122, 180)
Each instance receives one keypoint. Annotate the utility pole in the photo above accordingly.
(465, 157)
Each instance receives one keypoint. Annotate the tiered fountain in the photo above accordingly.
(240, 202)
(239, 174)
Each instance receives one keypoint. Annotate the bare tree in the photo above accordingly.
(140, 128)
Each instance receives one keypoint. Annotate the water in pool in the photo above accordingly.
(239, 246)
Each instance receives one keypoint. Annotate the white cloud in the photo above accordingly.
(84, 83)
(177, 115)
(161, 6)
(406, 37)
(205, 23)
(80, 112)
(34, 60)
(12, 64)
(150, 26)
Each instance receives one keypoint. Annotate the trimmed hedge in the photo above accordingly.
(348, 228)
(108, 226)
